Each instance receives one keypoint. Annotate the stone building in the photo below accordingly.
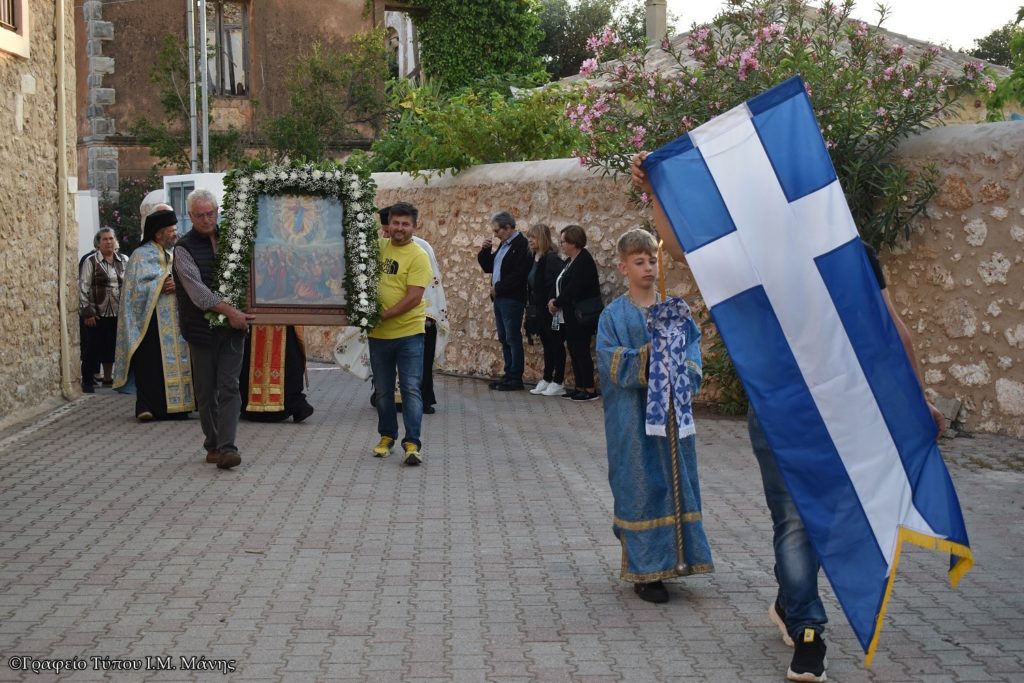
(38, 277)
(252, 46)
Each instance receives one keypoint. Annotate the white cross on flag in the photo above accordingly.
(754, 200)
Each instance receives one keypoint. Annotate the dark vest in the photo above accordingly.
(195, 328)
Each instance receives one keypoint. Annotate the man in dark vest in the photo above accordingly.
(216, 352)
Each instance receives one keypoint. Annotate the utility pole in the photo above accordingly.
(191, 20)
(204, 77)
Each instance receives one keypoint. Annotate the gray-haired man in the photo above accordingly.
(216, 352)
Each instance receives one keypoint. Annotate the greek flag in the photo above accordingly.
(753, 199)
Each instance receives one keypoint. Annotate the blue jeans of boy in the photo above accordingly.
(405, 355)
(796, 563)
(508, 318)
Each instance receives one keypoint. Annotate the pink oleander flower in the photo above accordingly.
(639, 135)
(906, 93)
(588, 67)
(988, 84)
(771, 32)
(881, 111)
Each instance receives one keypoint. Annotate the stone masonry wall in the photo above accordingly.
(958, 283)
(29, 222)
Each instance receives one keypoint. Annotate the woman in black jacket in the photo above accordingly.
(540, 289)
(577, 289)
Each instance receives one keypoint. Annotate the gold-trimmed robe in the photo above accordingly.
(654, 482)
(142, 303)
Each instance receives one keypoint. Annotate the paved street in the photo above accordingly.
(495, 561)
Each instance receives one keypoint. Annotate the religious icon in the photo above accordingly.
(298, 258)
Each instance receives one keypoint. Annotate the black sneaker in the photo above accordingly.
(809, 660)
(511, 385)
(651, 592)
(585, 396)
(571, 394)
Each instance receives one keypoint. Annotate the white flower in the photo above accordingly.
(236, 245)
(234, 257)
(364, 322)
(282, 175)
(224, 288)
(221, 317)
(259, 176)
(294, 176)
(337, 174)
(361, 267)
(239, 232)
(243, 182)
(317, 175)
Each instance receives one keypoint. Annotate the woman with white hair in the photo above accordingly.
(99, 293)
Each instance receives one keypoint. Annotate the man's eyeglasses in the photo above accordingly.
(207, 214)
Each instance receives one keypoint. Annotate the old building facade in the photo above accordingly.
(251, 47)
(38, 319)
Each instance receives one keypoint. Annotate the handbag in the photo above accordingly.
(587, 311)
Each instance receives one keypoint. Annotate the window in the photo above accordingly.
(227, 40)
(177, 192)
(7, 15)
(14, 27)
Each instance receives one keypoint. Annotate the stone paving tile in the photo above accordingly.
(493, 562)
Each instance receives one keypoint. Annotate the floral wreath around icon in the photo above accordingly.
(347, 183)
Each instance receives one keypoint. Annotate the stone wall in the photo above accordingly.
(958, 283)
(30, 352)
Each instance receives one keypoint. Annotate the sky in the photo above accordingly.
(956, 23)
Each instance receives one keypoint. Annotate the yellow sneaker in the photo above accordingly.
(383, 449)
(413, 457)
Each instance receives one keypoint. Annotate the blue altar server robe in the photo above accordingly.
(656, 490)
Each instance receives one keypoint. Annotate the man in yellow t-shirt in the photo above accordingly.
(396, 343)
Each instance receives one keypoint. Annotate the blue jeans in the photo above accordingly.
(796, 563)
(508, 318)
(406, 355)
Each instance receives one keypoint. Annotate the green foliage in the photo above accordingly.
(1010, 89)
(566, 27)
(169, 139)
(123, 215)
(435, 130)
(461, 41)
(631, 24)
(867, 94)
(335, 96)
(995, 47)
(720, 372)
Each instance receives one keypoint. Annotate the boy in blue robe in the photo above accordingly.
(652, 458)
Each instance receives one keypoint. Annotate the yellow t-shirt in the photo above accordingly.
(400, 268)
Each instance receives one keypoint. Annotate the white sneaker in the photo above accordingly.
(554, 389)
(539, 389)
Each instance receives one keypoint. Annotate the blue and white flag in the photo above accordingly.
(753, 199)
